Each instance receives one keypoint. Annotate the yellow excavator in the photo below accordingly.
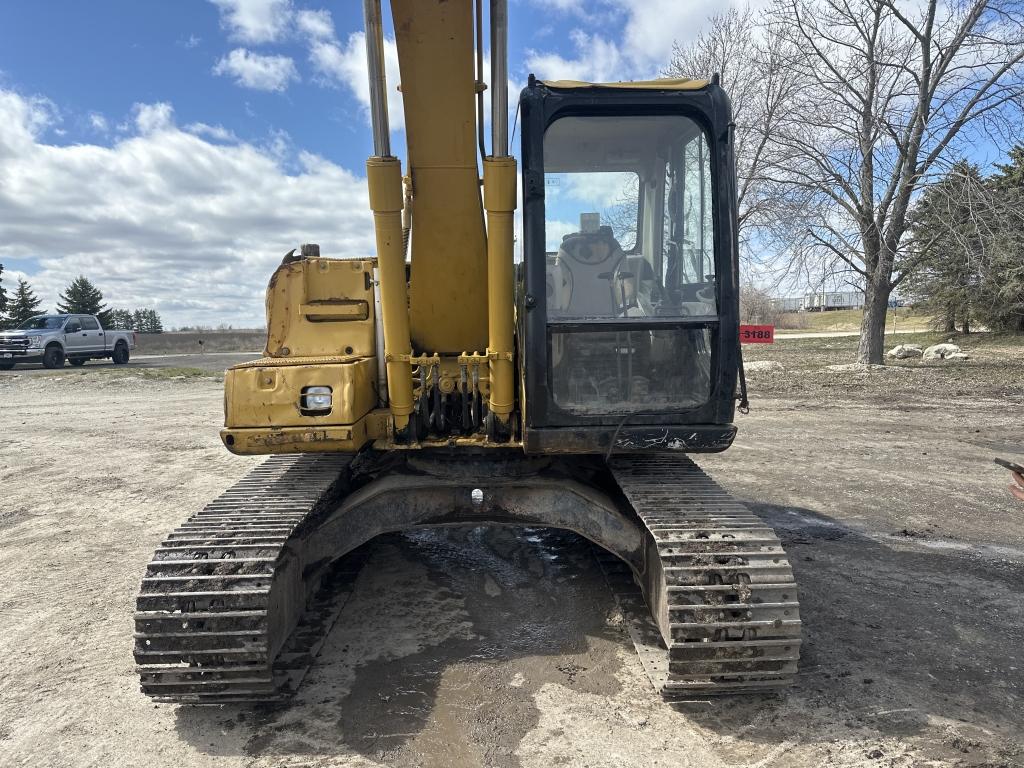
(446, 382)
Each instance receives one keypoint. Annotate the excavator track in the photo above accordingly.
(209, 628)
(718, 584)
(232, 608)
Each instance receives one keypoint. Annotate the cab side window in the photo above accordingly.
(90, 324)
(688, 240)
(74, 325)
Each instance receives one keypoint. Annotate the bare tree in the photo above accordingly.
(758, 306)
(762, 92)
(887, 94)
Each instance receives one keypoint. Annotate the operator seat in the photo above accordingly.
(581, 274)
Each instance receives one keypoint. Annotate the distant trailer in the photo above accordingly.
(827, 301)
(820, 302)
(793, 304)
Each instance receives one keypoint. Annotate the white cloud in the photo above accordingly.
(601, 190)
(346, 65)
(555, 230)
(255, 21)
(653, 26)
(25, 120)
(215, 132)
(98, 122)
(642, 46)
(279, 146)
(597, 60)
(315, 24)
(257, 71)
(151, 118)
(166, 218)
(561, 6)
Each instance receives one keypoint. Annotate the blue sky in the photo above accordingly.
(114, 54)
(173, 151)
(118, 54)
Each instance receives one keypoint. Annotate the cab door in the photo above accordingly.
(628, 320)
(92, 335)
(76, 338)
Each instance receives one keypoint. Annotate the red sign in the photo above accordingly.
(757, 334)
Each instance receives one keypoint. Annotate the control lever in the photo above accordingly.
(623, 306)
(623, 310)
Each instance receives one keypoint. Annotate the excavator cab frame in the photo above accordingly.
(687, 420)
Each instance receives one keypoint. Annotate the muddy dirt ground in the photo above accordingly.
(493, 647)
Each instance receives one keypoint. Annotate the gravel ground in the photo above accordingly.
(488, 647)
(190, 364)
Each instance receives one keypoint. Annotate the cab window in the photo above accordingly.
(630, 260)
(629, 223)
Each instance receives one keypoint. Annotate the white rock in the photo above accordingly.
(761, 366)
(959, 356)
(941, 351)
(904, 351)
(856, 368)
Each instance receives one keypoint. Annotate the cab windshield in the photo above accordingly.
(629, 223)
(629, 218)
(43, 323)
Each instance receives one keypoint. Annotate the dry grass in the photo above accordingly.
(995, 370)
(850, 319)
(103, 373)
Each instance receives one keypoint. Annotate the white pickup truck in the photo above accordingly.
(52, 339)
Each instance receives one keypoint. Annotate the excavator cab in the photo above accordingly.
(627, 302)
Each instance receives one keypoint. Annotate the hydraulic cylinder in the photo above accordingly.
(384, 179)
(500, 203)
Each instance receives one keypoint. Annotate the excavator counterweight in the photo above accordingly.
(446, 382)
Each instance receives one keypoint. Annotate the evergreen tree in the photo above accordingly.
(949, 226)
(965, 254)
(3, 294)
(1001, 288)
(121, 320)
(147, 321)
(23, 306)
(83, 298)
(1011, 175)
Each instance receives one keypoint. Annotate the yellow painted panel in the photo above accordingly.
(269, 396)
(346, 439)
(321, 307)
(664, 84)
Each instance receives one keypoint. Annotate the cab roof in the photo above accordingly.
(662, 84)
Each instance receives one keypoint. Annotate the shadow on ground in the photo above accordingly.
(900, 644)
(436, 658)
